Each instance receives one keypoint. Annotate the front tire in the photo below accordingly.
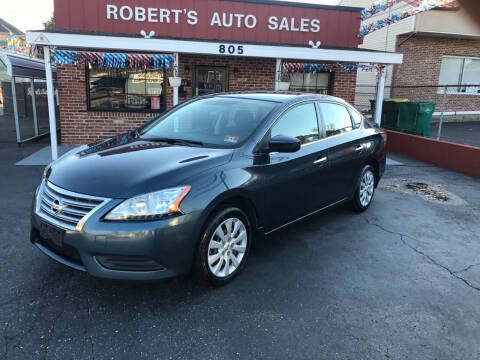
(224, 246)
(366, 188)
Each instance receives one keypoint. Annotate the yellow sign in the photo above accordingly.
(150, 77)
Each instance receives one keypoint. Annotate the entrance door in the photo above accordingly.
(209, 80)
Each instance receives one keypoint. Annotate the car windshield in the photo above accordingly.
(216, 122)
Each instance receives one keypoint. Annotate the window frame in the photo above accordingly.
(329, 87)
(207, 67)
(354, 128)
(163, 100)
(268, 133)
(459, 84)
(321, 125)
(352, 110)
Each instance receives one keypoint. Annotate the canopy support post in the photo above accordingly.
(175, 88)
(51, 103)
(15, 110)
(278, 74)
(380, 93)
(34, 107)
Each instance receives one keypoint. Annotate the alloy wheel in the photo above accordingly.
(367, 186)
(227, 247)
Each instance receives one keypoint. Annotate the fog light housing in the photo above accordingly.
(129, 263)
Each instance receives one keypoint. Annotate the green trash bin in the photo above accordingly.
(389, 118)
(424, 118)
(416, 117)
(390, 114)
(407, 116)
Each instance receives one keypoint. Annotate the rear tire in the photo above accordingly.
(365, 190)
(224, 247)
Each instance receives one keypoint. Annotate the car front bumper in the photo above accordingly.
(122, 250)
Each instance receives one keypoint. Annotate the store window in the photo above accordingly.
(462, 73)
(134, 90)
(313, 83)
(210, 79)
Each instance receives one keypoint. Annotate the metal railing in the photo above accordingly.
(457, 107)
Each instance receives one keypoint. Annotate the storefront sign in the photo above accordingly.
(228, 20)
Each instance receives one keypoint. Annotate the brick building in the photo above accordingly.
(440, 47)
(225, 46)
(431, 60)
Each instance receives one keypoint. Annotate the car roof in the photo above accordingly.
(277, 96)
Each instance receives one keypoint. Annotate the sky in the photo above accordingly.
(30, 14)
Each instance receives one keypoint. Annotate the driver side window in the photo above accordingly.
(299, 122)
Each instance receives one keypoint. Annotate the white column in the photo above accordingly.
(34, 107)
(380, 92)
(175, 73)
(51, 103)
(15, 110)
(278, 74)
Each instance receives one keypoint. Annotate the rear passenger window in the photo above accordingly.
(336, 118)
(300, 122)
(356, 117)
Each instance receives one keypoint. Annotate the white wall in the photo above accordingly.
(441, 22)
(457, 23)
(381, 40)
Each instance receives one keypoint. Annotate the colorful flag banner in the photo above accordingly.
(310, 68)
(422, 5)
(112, 60)
(378, 7)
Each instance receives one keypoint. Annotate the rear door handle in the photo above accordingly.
(320, 161)
(360, 147)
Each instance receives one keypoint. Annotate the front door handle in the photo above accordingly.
(360, 147)
(320, 161)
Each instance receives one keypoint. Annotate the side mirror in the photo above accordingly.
(284, 144)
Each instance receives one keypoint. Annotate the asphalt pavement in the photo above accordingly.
(401, 281)
(466, 133)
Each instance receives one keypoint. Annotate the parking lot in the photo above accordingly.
(465, 133)
(401, 281)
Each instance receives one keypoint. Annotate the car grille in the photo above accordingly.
(65, 208)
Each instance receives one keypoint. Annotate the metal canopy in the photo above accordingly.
(23, 66)
(168, 45)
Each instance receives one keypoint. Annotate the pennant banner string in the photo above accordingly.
(421, 6)
(112, 60)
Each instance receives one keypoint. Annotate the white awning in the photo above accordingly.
(88, 41)
(23, 66)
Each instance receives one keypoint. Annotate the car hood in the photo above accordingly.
(124, 166)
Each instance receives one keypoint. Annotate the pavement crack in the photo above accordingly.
(90, 319)
(51, 331)
(432, 260)
(6, 340)
(466, 269)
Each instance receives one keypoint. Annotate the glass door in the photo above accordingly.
(209, 80)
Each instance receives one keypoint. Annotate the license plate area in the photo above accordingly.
(52, 234)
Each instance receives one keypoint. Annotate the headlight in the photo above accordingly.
(151, 206)
(46, 171)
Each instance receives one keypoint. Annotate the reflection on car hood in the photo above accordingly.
(124, 166)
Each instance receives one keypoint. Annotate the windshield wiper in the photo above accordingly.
(175, 141)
